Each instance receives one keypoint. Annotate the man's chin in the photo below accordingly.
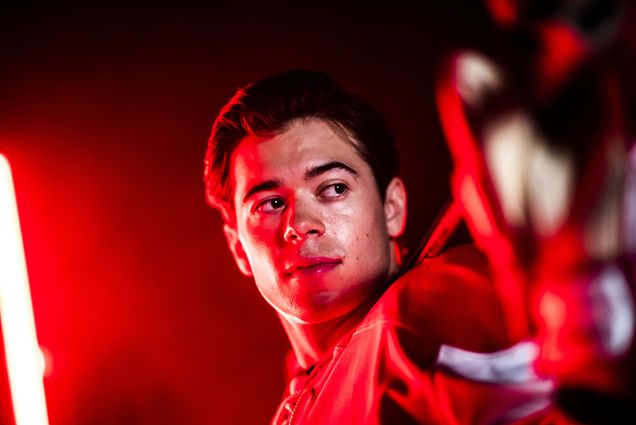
(320, 311)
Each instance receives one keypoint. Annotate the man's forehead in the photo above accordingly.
(304, 145)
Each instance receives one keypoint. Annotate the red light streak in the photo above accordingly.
(474, 189)
(23, 356)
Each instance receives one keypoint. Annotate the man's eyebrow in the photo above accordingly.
(261, 187)
(321, 169)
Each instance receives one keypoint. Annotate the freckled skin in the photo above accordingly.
(306, 217)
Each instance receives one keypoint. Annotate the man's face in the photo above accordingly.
(310, 223)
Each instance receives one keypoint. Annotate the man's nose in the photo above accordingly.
(302, 220)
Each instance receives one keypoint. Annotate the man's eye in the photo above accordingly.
(334, 191)
(270, 205)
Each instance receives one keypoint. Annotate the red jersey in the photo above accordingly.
(432, 350)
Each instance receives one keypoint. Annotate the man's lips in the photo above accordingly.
(312, 265)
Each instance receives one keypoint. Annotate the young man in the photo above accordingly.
(306, 178)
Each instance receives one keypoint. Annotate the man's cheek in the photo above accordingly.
(342, 226)
(259, 233)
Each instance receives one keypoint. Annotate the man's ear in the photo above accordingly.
(395, 207)
(233, 242)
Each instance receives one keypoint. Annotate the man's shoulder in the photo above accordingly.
(456, 274)
(450, 299)
(466, 258)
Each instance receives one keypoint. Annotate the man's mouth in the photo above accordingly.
(312, 265)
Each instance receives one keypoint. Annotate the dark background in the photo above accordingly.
(105, 110)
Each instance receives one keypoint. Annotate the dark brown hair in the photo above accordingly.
(267, 107)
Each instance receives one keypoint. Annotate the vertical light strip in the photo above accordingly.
(24, 360)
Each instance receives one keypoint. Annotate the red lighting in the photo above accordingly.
(505, 12)
(23, 356)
